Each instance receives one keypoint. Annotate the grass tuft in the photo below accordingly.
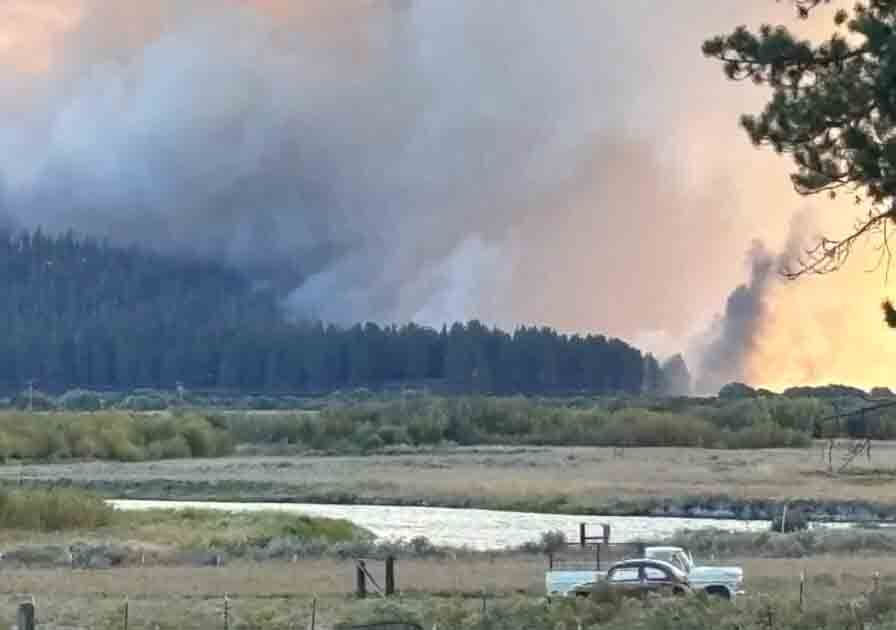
(53, 510)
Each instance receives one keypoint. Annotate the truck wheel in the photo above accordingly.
(718, 591)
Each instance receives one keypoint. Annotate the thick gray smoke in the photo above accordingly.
(376, 172)
(512, 160)
(728, 344)
(723, 359)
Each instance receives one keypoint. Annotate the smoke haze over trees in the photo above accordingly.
(396, 161)
(81, 313)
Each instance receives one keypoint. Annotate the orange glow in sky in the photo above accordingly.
(30, 30)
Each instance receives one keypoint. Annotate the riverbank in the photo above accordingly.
(161, 538)
(677, 482)
(176, 569)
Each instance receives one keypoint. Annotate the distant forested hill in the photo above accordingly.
(76, 312)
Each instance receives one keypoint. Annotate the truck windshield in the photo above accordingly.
(677, 558)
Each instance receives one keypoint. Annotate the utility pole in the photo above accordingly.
(31, 395)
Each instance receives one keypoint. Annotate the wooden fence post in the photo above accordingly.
(802, 589)
(126, 612)
(25, 618)
(226, 612)
(313, 613)
(582, 535)
(361, 581)
(390, 576)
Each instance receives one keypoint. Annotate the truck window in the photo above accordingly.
(679, 561)
(627, 574)
(654, 574)
(683, 561)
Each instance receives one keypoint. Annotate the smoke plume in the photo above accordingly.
(576, 164)
(382, 160)
(724, 358)
(725, 351)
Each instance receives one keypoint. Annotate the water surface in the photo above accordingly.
(478, 529)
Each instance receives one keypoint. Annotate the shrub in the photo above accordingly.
(36, 400)
(553, 541)
(199, 437)
(790, 521)
(80, 400)
(144, 402)
(392, 434)
(734, 391)
(767, 435)
(53, 510)
(638, 427)
(172, 448)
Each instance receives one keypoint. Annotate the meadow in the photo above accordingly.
(173, 584)
(840, 590)
(541, 479)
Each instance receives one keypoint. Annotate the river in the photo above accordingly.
(477, 529)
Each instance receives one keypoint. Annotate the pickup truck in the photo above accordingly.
(724, 582)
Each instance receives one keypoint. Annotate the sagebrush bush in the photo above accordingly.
(80, 400)
(799, 544)
(488, 420)
(608, 611)
(110, 435)
(53, 510)
(35, 400)
(144, 402)
(416, 421)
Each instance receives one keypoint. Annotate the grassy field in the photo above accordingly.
(574, 480)
(470, 577)
(278, 595)
(444, 588)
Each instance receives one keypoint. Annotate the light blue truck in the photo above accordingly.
(724, 582)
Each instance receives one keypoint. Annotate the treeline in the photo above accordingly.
(432, 420)
(761, 422)
(382, 424)
(80, 313)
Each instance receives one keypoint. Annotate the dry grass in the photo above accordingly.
(275, 595)
(576, 478)
(163, 533)
(331, 577)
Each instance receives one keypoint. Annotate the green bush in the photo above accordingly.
(81, 400)
(428, 420)
(607, 611)
(144, 402)
(172, 448)
(790, 521)
(36, 400)
(391, 434)
(419, 420)
(53, 510)
(110, 435)
(639, 427)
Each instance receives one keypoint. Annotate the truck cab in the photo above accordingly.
(723, 582)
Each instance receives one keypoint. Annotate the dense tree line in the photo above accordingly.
(77, 312)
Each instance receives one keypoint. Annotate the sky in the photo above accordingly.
(576, 164)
